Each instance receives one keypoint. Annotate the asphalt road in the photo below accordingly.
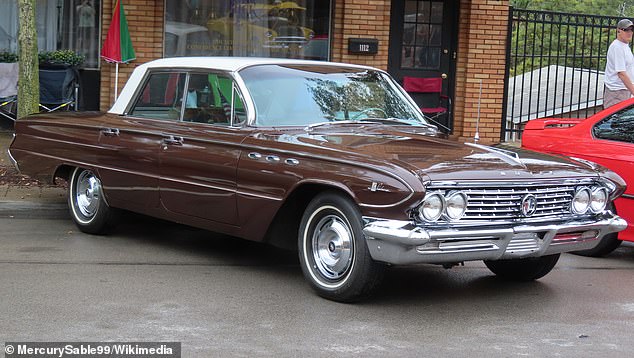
(222, 297)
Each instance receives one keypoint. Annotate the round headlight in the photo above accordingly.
(432, 207)
(599, 199)
(581, 201)
(456, 205)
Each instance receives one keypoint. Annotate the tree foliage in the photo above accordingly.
(574, 34)
(595, 7)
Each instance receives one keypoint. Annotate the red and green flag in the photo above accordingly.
(118, 45)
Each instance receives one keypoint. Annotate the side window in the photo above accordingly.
(209, 100)
(197, 100)
(160, 97)
(618, 127)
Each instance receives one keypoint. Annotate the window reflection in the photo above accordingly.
(304, 95)
(161, 97)
(269, 28)
(422, 35)
(618, 127)
(61, 25)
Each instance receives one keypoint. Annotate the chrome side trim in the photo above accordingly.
(89, 165)
(303, 155)
(13, 161)
(627, 196)
(247, 148)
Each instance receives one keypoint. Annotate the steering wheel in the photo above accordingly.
(369, 110)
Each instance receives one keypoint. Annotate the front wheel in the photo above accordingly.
(527, 269)
(87, 204)
(332, 250)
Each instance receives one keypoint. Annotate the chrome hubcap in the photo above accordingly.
(332, 247)
(88, 194)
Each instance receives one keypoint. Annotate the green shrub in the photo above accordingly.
(8, 57)
(61, 57)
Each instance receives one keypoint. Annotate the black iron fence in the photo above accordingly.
(554, 66)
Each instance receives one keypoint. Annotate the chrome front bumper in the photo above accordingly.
(402, 242)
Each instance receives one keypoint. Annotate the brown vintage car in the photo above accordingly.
(333, 159)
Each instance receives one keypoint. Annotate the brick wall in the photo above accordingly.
(361, 19)
(481, 62)
(481, 52)
(353, 18)
(145, 22)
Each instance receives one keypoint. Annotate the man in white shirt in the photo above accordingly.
(619, 68)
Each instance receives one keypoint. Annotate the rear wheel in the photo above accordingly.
(87, 204)
(527, 269)
(332, 250)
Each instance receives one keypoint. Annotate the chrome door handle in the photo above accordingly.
(272, 158)
(110, 132)
(173, 140)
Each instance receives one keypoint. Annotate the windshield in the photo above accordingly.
(301, 95)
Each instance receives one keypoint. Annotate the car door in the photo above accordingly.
(199, 154)
(132, 141)
(613, 146)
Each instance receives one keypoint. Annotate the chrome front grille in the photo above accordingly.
(503, 201)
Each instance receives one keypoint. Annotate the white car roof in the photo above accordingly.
(230, 64)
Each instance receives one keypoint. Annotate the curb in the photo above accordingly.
(32, 210)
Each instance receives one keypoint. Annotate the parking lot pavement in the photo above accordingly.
(150, 280)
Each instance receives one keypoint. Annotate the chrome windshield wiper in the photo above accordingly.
(398, 121)
(320, 124)
(361, 120)
(390, 120)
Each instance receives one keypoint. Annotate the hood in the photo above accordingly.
(436, 158)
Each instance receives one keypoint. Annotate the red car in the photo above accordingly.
(606, 138)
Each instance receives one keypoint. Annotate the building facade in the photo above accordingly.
(461, 41)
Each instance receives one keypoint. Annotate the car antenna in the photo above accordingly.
(476, 138)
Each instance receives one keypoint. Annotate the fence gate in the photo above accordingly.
(554, 66)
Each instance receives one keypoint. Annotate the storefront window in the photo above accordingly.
(269, 28)
(61, 25)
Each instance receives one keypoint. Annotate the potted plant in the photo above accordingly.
(8, 57)
(60, 58)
